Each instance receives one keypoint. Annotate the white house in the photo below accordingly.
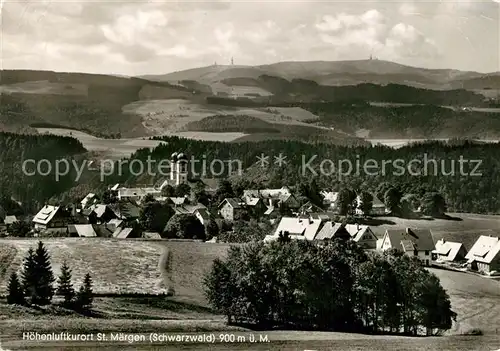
(51, 217)
(413, 242)
(449, 251)
(484, 256)
(297, 227)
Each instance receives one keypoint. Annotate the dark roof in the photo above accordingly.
(421, 238)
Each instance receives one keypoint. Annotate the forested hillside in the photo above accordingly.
(34, 190)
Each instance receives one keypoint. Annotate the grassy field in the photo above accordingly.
(119, 266)
(107, 148)
(167, 116)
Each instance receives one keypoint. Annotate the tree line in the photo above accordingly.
(335, 286)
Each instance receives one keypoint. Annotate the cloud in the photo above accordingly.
(160, 36)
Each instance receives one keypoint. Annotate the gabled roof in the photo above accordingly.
(251, 201)
(299, 226)
(125, 209)
(187, 209)
(87, 198)
(309, 207)
(357, 231)
(45, 215)
(485, 250)
(328, 230)
(447, 250)
(122, 233)
(83, 230)
(203, 212)
(421, 238)
(10, 219)
(233, 202)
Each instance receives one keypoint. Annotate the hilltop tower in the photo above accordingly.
(232, 61)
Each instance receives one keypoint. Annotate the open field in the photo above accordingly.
(45, 87)
(122, 266)
(171, 115)
(107, 148)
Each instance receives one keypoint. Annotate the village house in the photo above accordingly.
(232, 209)
(300, 228)
(449, 251)
(332, 230)
(361, 234)
(484, 255)
(378, 207)
(413, 242)
(52, 217)
(98, 214)
(274, 198)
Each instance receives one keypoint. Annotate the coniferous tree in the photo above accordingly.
(85, 296)
(15, 291)
(64, 286)
(28, 277)
(44, 276)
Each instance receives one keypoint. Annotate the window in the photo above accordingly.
(426, 252)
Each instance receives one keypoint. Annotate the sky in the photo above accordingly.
(156, 37)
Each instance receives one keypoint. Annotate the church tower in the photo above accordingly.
(181, 169)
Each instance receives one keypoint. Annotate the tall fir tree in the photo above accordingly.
(28, 277)
(44, 278)
(85, 296)
(64, 285)
(15, 291)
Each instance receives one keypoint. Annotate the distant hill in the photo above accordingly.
(111, 106)
(337, 73)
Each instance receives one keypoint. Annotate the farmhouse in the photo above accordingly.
(377, 209)
(449, 251)
(484, 256)
(98, 214)
(274, 198)
(332, 230)
(297, 227)
(363, 235)
(413, 242)
(51, 217)
(232, 209)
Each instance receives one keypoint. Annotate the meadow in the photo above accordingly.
(106, 148)
(171, 115)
